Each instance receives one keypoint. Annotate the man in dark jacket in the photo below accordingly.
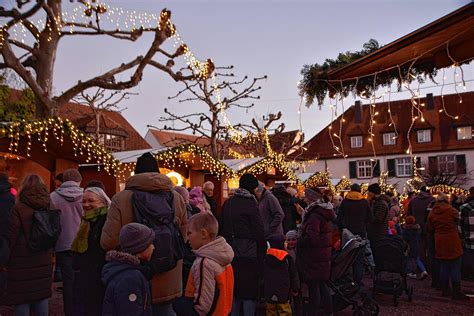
(355, 215)
(270, 211)
(7, 200)
(287, 203)
(241, 225)
(208, 190)
(379, 203)
(419, 207)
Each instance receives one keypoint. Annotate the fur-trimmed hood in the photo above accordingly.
(118, 262)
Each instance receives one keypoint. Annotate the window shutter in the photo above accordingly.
(376, 169)
(433, 165)
(352, 169)
(461, 164)
(391, 168)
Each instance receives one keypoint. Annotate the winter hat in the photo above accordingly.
(410, 220)
(292, 234)
(146, 163)
(356, 187)
(100, 193)
(135, 237)
(248, 182)
(183, 192)
(72, 175)
(375, 188)
(313, 194)
(277, 241)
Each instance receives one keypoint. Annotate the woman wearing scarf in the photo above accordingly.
(90, 258)
(314, 250)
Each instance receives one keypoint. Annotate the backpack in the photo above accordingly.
(156, 210)
(45, 229)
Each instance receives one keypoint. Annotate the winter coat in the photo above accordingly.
(418, 207)
(467, 224)
(7, 200)
(280, 276)
(315, 242)
(240, 217)
(271, 213)
(90, 264)
(196, 199)
(165, 286)
(379, 226)
(212, 204)
(68, 199)
(127, 289)
(354, 214)
(443, 222)
(29, 272)
(287, 204)
(211, 280)
(411, 234)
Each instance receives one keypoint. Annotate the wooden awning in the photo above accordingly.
(454, 31)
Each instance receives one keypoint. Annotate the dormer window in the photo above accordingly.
(356, 141)
(389, 139)
(424, 136)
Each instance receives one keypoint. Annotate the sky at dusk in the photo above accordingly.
(258, 37)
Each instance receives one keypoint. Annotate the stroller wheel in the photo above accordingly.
(395, 300)
(410, 294)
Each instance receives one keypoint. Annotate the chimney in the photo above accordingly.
(358, 112)
(429, 102)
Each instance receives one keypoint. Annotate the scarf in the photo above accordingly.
(81, 242)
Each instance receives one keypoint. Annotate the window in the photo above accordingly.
(424, 136)
(112, 143)
(464, 132)
(447, 164)
(364, 169)
(404, 167)
(389, 139)
(356, 141)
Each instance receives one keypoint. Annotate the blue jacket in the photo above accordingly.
(412, 236)
(127, 289)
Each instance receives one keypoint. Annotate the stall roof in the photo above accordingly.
(239, 164)
(132, 155)
(428, 43)
(304, 176)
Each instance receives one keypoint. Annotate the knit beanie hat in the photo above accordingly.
(410, 220)
(375, 188)
(248, 182)
(146, 163)
(277, 241)
(312, 195)
(72, 175)
(135, 237)
(356, 187)
(292, 234)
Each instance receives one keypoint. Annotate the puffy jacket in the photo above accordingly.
(354, 214)
(29, 272)
(127, 289)
(443, 222)
(280, 276)
(379, 226)
(165, 286)
(314, 245)
(211, 280)
(271, 213)
(418, 207)
(68, 199)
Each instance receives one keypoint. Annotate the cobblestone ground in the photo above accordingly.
(426, 301)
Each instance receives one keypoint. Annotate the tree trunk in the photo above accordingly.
(214, 134)
(45, 59)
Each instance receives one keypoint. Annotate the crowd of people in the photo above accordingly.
(159, 249)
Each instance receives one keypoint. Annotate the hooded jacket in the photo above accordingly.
(29, 272)
(211, 279)
(443, 222)
(418, 207)
(315, 242)
(379, 226)
(240, 217)
(127, 289)
(165, 286)
(280, 276)
(271, 213)
(68, 199)
(354, 214)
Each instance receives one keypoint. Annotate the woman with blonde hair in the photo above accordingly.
(443, 223)
(29, 272)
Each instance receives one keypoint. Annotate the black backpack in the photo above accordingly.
(156, 210)
(45, 229)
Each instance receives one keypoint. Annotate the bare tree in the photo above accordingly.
(34, 62)
(101, 101)
(209, 124)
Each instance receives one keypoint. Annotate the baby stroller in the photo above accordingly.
(390, 276)
(346, 291)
